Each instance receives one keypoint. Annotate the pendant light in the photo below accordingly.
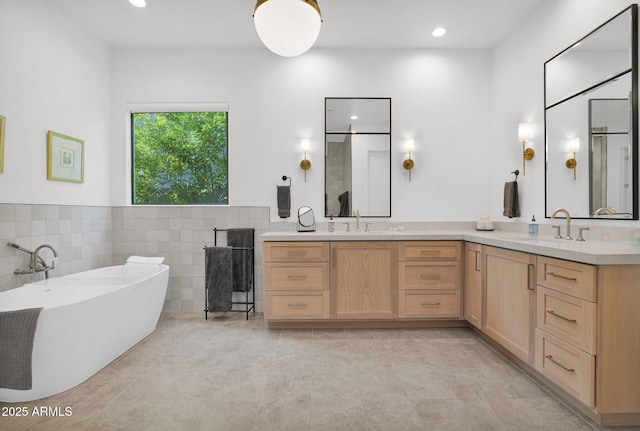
(287, 27)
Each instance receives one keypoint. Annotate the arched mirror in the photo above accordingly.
(357, 157)
(591, 123)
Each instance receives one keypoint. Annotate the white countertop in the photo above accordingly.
(591, 252)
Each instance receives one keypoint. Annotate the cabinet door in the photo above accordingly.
(473, 284)
(364, 277)
(511, 300)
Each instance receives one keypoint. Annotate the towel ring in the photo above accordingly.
(516, 172)
(285, 178)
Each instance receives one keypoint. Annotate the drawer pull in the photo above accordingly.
(430, 304)
(297, 277)
(569, 370)
(430, 276)
(553, 313)
(297, 305)
(430, 252)
(297, 253)
(564, 277)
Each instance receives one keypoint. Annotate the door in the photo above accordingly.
(473, 284)
(364, 280)
(510, 300)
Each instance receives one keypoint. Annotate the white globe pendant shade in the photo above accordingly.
(287, 27)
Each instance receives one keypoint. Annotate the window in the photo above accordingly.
(179, 158)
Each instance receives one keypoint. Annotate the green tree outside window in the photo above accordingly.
(180, 158)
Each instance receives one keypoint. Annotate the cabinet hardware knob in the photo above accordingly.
(567, 369)
(564, 277)
(553, 313)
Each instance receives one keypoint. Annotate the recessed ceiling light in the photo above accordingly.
(439, 32)
(354, 117)
(138, 3)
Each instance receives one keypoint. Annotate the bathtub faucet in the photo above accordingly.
(35, 257)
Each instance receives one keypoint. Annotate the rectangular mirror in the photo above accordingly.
(357, 157)
(591, 124)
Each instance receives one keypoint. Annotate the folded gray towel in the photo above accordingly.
(511, 200)
(284, 201)
(17, 330)
(242, 259)
(218, 278)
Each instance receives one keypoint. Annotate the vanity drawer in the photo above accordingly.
(297, 305)
(296, 251)
(575, 279)
(571, 368)
(429, 303)
(423, 275)
(296, 276)
(430, 250)
(569, 318)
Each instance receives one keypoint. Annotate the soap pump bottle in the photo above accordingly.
(533, 227)
(332, 226)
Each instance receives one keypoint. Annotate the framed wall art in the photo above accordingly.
(65, 158)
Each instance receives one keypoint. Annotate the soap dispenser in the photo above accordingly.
(332, 226)
(533, 227)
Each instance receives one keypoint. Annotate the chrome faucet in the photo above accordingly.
(357, 214)
(35, 257)
(568, 217)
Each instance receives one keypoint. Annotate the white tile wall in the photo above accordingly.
(92, 237)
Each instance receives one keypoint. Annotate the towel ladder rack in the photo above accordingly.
(248, 305)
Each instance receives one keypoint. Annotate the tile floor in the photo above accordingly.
(229, 374)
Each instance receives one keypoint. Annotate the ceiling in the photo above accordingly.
(471, 24)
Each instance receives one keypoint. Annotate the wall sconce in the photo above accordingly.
(571, 163)
(408, 163)
(524, 135)
(305, 164)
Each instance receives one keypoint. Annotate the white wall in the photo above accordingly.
(517, 91)
(441, 97)
(53, 76)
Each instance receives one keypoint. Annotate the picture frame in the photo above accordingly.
(65, 158)
(3, 126)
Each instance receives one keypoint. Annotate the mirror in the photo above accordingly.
(306, 220)
(358, 157)
(591, 125)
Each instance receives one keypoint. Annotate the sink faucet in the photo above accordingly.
(610, 211)
(35, 258)
(357, 214)
(568, 217)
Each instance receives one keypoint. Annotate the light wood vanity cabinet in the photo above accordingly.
(296, 281)
(473, 284)
(510, 300)
(430, 280)
(363, 280)
(587, 335)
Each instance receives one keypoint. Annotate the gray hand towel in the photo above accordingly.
(218, 278)
(17, 330)
(511, 200)
(242, 259)
(284, 201)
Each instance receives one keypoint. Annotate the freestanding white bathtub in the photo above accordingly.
(88, 320)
